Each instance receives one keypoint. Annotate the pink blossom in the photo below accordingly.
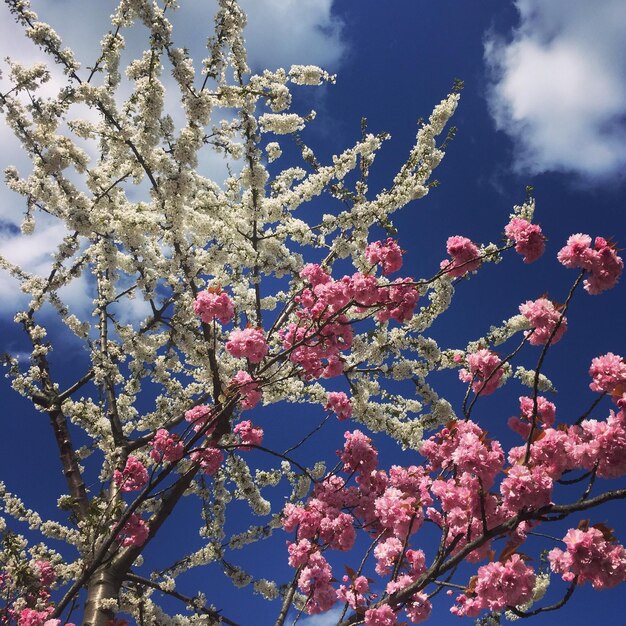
(30, 617)
(497, 586)
(209, 459)
(134, 532)
(248, 343)
(464, 446)
(337, 530)
(315, 274)
(317, 352)
(214, 304)
(166, 446)
(528, 238)
(553, 451)
(315, 581)
(199, 416)
(483, 373)
(546, 412)
(339, 403)
(386, 553)
(525, 488)
(248, 389)
(607, 373)
(133, 477)
(464, 506)
(399, 303)
(299, 552)
(354, 594)
(381, 616)
(417, 561)
(418, 608)
(544, 317)
(465, 256)
(358, 454)
(602, 444)
(577, 252)
(397, 511)
(601, 261)
(591, 555)
(248, 434)
(306, 519)
(365, 290)
(387, 253)
(46, 572)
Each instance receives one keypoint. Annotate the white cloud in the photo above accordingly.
(285, 32)
(330, 618)
(559, 86)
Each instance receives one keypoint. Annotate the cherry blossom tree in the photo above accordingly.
(212, 301)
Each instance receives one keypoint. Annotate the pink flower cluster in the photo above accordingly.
(31, 617)
(200, 417)
(382, 616)
(544, 318)
(528, 238)
(133, 477)
(339, 403)
(324, 331)
(526, 488)
(546, 413)
(465, 256)
(387, 504)
(497, 585)
(134, 532)
(249, 435)
(166, 446)
(388, 254)
(608, 373)
(214, 304)
(592, 444)
(248, 343)
(247, 388)
(601, 261)
(210, 459)
(592, 555)
(483, 372)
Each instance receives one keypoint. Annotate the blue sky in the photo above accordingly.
(544, 104)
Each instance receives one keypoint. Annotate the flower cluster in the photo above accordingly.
(339, 403)
(601, 262)
(133, 477)
(497, 585)
(528, 238)
(608, 373)
(484, 371)
(465, 256)
(591, 554)
(545, 320)
(166, 446)
(214, 304)
(134, 532)
(247, 388)
(388, 254)
(248, 343)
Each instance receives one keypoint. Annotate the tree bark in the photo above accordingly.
(104, 584)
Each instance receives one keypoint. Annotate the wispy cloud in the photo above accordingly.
(285, 32)
(330, 618)
(559, 86)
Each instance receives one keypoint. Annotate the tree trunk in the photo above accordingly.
(103, 584)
